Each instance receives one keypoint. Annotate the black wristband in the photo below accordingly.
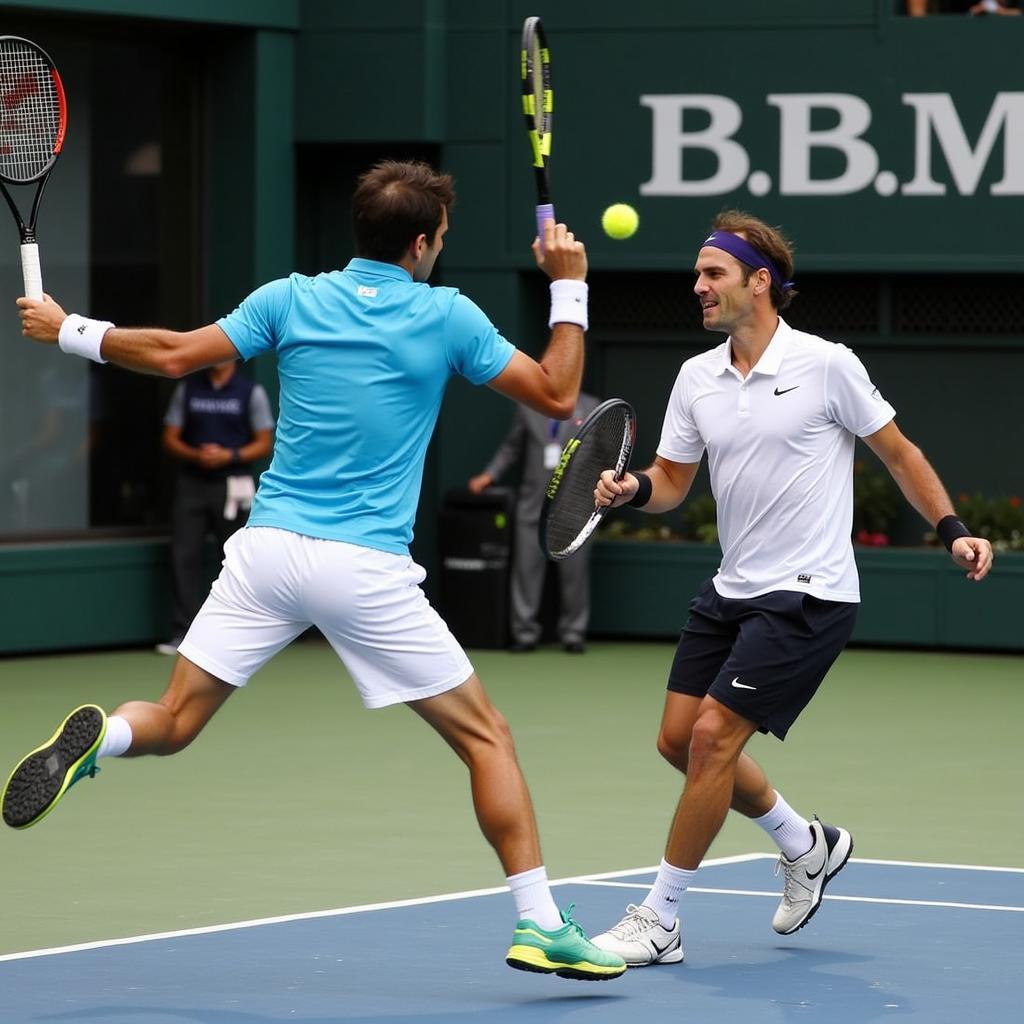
(949, 529)
(643, 491)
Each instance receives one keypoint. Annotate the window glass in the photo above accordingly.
(80, 442)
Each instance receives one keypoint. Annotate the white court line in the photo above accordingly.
(853, 860)
(601, 878)
(926, 864)
(340, 911)
(827, 896)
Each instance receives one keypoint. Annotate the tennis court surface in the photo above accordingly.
(930, 942)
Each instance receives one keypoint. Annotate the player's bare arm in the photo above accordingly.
(670, 483)
(143, 349)
(552, 385)
(924, 490)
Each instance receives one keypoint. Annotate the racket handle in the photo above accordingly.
(545, 211)
(31, 271)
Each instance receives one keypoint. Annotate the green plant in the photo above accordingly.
(876, 502)
(999, 520)
(695, 522)
(700, 519)
(648, 528)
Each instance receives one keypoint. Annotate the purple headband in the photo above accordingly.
(746, 253)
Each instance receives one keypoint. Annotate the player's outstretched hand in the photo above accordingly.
(973, 554)
(612, 492)
(40, 318)
(561, 256)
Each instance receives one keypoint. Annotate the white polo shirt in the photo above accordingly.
(780, 452)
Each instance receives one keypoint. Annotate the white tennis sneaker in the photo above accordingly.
(640, 939)
(807, 876)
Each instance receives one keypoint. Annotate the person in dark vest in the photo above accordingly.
(218, 424)
(534, 443)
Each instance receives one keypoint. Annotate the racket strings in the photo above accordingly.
(573, 507)
(30, 112)
(539, 79)
(536, 74)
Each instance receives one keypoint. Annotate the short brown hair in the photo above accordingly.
(395, 202)
(768, 240)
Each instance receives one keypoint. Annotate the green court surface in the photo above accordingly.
(296, 799)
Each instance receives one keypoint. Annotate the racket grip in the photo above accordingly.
(30, 271)
(546, 211)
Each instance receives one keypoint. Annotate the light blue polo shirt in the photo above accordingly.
(364, 355)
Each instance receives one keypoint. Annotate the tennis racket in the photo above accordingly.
(535, 70)
(33, 119)
(604, 441)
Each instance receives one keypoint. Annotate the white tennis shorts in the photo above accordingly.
(274, 584)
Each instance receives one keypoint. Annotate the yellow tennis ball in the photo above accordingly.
(620, 221)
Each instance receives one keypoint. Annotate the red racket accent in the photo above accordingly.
(63, 125)
(34, 111)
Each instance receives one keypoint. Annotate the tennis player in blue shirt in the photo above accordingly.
(364, 355)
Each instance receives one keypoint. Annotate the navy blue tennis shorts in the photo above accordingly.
(762, 657)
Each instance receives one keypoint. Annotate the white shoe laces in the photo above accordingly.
(790, 883)
(633, 925)
(793, 891)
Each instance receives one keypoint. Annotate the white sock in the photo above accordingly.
(663, 898)
(532, 894)
(790, 833)
(118, 738)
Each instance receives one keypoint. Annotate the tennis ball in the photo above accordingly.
(620, 221)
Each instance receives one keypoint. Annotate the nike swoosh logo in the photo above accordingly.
(786, 391)
(818, 872)
(742, 686)
(658, 950)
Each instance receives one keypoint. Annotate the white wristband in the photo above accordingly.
(568, 302)
(81, 336)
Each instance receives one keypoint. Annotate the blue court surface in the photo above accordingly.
(934, 943)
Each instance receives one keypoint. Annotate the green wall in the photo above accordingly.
(249, 13)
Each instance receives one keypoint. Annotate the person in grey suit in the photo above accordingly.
(535, 443)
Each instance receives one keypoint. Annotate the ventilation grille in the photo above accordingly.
(836, 305)
(958, 305)
(643, 302)
(832, 305)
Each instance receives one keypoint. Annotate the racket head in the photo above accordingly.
(538, 100)
(605, 440)
(33, 111)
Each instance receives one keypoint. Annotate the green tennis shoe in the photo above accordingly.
(43, 776)
(566, 951)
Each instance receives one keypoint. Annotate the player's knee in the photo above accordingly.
(675, 749)
(181, 730)
(175, 742)
(709, 742)
(501, 732)
(486, 736)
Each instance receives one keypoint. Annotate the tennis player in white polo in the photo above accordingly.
(364, 355)
(777, 412)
